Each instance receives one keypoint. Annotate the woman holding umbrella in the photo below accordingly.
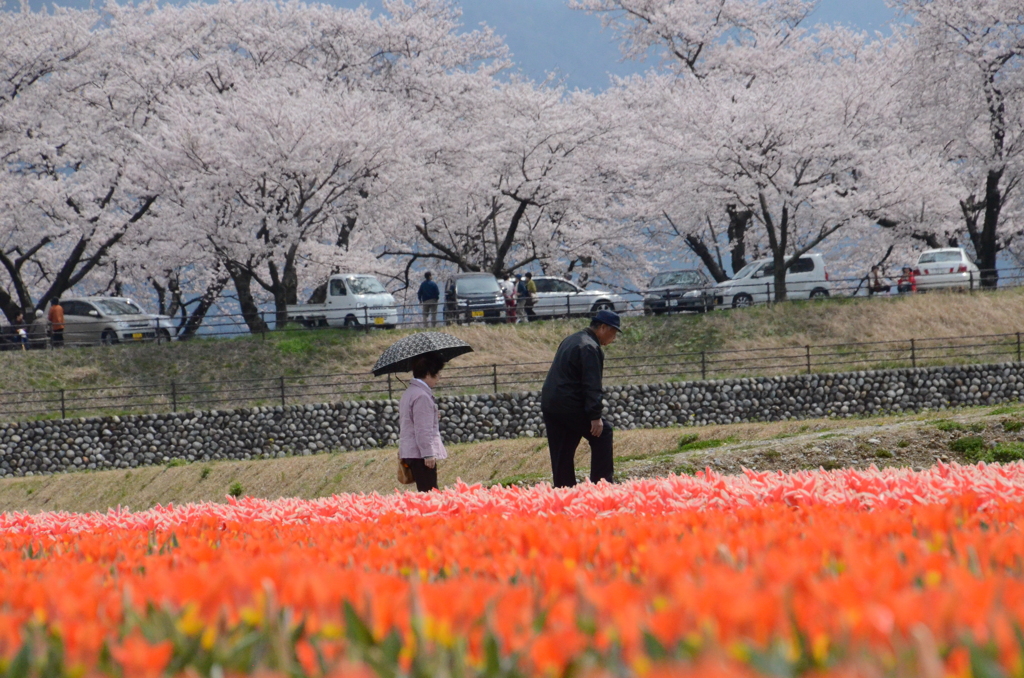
(419, 438)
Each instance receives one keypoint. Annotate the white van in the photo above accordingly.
(353, 300)
(755, 282)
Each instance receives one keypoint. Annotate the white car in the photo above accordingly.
(166, 326)
(946, 268)
(558, 297)
(755, 282)
(353, 300)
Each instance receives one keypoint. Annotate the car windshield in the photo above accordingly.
(483, 284)
(116, 307)
(749, 269)
(676, 278)
(365, 285)
(937, 257)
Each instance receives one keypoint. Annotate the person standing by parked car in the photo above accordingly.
(508, 290)
(876, 283)
(419, 439)
(522, 296)
(907, 282)
(429, 294)
(531, 297)
(20, 331)
(571, 402)
(56, 317)
(37, 331)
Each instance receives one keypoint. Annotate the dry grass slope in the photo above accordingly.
(297, 352)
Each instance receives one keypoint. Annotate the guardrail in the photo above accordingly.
(177, 396)
(551, 306)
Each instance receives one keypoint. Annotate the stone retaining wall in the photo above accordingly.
(33, 448)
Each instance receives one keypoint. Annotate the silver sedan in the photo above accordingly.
(557, 297)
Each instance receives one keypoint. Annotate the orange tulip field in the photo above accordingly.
(843, 573)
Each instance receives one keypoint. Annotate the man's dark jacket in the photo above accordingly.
(573, 385)
(428, 291)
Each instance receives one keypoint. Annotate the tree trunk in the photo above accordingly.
(739, 223)
(698, 247)
(778, 240)
(198, 314)
(284, 286)
(242, 278)
(988, 247)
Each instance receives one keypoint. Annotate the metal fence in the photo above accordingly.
(628, 303)
(177, 396)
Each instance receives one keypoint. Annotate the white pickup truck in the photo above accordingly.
(353, 300)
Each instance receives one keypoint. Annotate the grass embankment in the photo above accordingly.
(989, 433)
(324, 352)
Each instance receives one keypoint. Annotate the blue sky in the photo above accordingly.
(546, 36)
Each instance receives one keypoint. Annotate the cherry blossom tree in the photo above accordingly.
(758, 123)
(66, 129)
(964, 102)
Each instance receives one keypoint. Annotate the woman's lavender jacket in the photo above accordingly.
(419, 429)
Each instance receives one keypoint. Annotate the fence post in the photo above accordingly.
(568, 308)
(494, 374)
(366, 318)
(808, 359)
(971, 273)
(913, 353)
(1018, 347)
(174, 397)
(263, 329)
(390, 394)
(703, 365)
(768, 293)
(63, 412)
(282, 391)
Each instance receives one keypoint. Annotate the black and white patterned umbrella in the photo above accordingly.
(399, 356)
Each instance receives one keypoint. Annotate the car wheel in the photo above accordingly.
(351, 322)
(603, 306)
(108, 338)
(742, 301)
(163, 335)
(819, 293)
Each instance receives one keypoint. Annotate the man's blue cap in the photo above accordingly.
(609, 318)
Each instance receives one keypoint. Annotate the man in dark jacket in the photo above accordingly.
(571, 402)
(428, 295)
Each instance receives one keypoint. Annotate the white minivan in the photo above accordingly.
(755, 282)
(353, 300)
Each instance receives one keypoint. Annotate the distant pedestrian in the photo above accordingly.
(521, 297)
(531, 297)
(56, 317)
(20, 331)
(907, 282)
(429, 294)
(876, 283)
(508, 290)
(419, 441)
(571, 402)
(37, 331)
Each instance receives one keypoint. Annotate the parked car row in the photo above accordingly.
(360, 300)
(807, 278)
(104, 321)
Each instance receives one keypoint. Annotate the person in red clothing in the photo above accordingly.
(907, 282)
(56, 318)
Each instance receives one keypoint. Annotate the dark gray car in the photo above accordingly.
(473, 296)
(682, 290)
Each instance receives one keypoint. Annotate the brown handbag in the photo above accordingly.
(404, 473)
